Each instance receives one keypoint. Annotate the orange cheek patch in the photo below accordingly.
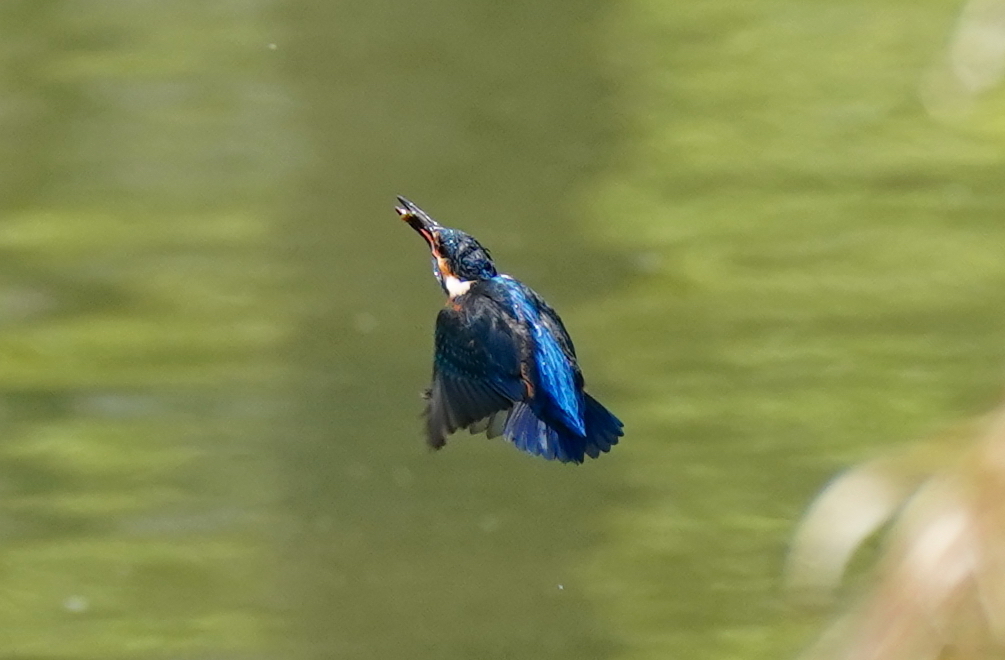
(441, 263)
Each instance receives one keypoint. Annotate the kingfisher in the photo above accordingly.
(503, 361)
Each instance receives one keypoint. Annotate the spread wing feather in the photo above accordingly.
(476, 370)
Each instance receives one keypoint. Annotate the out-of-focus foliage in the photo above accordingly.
(938, 586)
(964, 85)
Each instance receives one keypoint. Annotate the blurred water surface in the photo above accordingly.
(214, 329)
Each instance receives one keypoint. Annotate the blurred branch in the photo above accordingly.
(938, 590)
(973, 63)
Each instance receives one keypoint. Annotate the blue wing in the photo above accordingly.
(558, 382)
(476, 368)
(562, 421)
(557, 379)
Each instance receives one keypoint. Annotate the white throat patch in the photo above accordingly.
(456, 287)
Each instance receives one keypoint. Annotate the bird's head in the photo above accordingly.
(458, 259)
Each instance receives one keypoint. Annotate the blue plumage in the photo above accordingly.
(557, 382)
(504, 363)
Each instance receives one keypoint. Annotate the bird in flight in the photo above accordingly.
(503, 362)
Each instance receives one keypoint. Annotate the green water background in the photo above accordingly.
(774, 260)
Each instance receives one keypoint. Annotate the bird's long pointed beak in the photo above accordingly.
(417, 219)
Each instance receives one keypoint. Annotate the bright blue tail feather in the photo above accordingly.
(529, 433)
